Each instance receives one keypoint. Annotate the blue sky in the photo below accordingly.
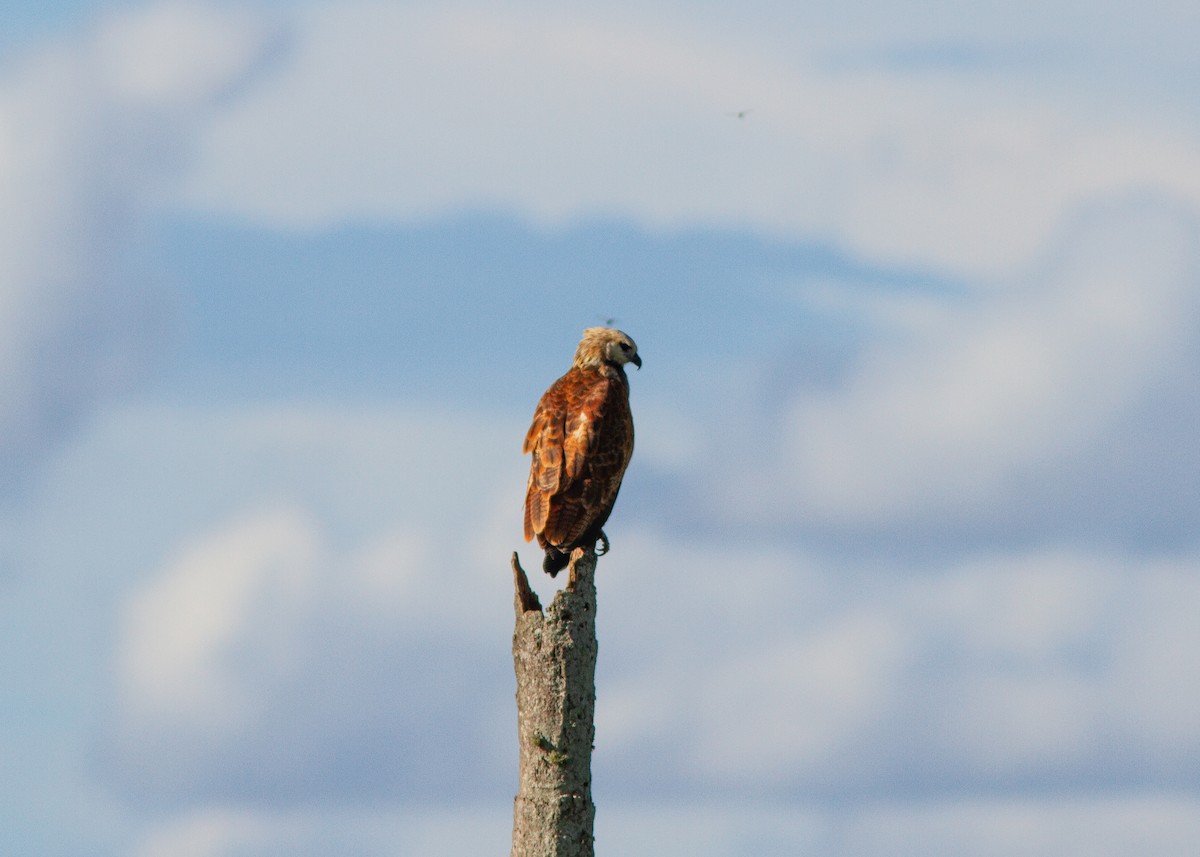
(906, 561)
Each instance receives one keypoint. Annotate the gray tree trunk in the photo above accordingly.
(555, 659)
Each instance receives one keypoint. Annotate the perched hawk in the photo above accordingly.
(581, 440)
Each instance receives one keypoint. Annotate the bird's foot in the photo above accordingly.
(603, 548)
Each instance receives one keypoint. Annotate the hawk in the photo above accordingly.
(581, 440)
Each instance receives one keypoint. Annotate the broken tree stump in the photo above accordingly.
(554, 655)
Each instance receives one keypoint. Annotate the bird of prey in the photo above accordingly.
(581, 440)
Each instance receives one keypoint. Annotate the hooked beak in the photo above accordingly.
(636, 361)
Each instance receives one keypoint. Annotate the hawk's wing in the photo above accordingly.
(545, 440)
(578, 457)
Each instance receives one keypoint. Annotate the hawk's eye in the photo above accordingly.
(625, 347)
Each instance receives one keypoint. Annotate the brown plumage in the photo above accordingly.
(581, 439)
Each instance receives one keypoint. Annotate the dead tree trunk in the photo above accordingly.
(555, 659)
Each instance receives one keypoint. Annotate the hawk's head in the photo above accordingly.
(606, 345)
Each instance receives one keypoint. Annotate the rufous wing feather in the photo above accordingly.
(545, 441)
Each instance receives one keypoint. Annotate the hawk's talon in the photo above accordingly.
(603, 541)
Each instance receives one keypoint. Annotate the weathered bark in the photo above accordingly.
(555, 659)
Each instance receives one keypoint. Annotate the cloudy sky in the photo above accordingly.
(907, 561)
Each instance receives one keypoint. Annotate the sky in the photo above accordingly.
(908, 557)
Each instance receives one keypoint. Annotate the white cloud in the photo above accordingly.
(332, 636)
(1019, 412)
(201, 641)
(374, 662)
(92, 131)
(238, 832)
(801, 707)
(795, 674)
(1122, 826)
(387, 112)
(176, 55)
(1080, 827)
(215, 833)
(1159, 693)
(258, 636)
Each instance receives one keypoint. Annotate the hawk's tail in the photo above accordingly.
(555, 560)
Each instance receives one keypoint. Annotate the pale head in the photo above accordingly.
(603, 346)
